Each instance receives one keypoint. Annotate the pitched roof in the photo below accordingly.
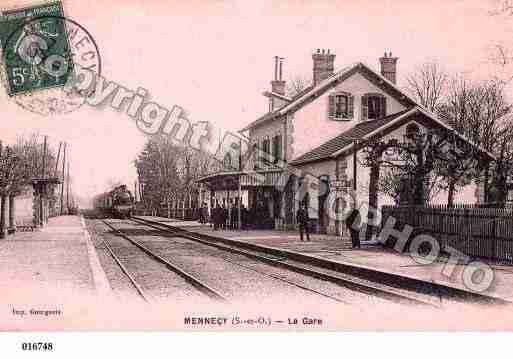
(346, 138)
(363, 130)
(325, 85)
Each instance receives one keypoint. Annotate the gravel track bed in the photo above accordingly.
(239, 277)
(118, 281)
(157, 281)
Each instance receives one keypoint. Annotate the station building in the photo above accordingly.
(319, 133)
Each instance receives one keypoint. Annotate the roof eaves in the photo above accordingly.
(441, 123)
(390, 83)
(376, 130)
(409, 113)
(314, 89)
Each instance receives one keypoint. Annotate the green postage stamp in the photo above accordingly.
(35, 48)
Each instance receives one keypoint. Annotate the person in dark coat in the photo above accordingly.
(302, 219)
(201, 214)
(216, 216)
(234, 216)
(204, 212)
(243, 216)
(224, 216)
(353, 224)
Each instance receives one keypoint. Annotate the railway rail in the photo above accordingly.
(269, 275)
(349, 282)
(370, 282)
(195, 282)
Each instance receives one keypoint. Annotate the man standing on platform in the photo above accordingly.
(234, 216)
(302, 220)
(216, 216)
(353, 224)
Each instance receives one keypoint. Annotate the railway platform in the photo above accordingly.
(331, 251)
(57, 261)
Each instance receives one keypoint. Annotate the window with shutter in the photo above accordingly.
(340, 106)
(373, 106)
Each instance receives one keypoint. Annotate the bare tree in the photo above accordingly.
(297, 85)
(502, 7)
(476, 111)
(169, 172)
(427, 84)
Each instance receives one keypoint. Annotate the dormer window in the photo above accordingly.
(374, 106)
(340, 106)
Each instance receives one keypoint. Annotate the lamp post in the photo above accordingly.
(355, 143)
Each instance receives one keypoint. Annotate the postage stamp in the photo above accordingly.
(41, 48)
(36, 52)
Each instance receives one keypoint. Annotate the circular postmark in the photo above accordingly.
(41, 56)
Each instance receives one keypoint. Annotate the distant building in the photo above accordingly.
(30, 208)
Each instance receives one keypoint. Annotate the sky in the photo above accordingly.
(215, 58)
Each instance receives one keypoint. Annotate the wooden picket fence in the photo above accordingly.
(474, 231)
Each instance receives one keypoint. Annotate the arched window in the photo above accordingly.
(412, 131)
(227, 161)
(374, 106)
(324, 185)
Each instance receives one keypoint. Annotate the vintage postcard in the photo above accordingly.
(256, 166)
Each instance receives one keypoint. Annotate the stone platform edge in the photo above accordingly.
(101, 283)
(350, 268)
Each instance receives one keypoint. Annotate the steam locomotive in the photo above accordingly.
(118, 203)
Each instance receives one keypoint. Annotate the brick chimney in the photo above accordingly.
(322, 65)
(278, 85)
(389, 66)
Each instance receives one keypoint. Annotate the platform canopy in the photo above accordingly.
(229, 180)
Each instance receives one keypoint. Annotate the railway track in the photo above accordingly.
(249, 268)
(368, 281)
(346, 281)
(189, 278)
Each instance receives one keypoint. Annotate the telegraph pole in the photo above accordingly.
(67, 191)
(44, 158)
(62, 186)
(57, 161)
